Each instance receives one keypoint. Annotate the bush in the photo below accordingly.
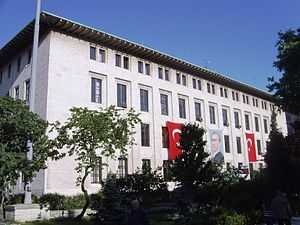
(55, 201)
(74, 202)
(231, 218)
(19, 199)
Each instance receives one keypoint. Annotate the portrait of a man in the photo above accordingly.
(216, 146)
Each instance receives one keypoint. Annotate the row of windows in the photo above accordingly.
(26, 97)
(123, 61)
(96, 96)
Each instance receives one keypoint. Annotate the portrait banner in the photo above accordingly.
(216, 145)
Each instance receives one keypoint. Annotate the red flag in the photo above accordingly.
(174, 130)
(251, 147)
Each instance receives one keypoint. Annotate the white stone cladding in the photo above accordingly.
(64, 81)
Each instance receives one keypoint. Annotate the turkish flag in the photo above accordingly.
(251, 147)
(174, 130)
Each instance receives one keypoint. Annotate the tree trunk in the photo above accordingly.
(86, 195)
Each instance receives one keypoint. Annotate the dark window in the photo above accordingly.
(165, 137)
(199, 85)
(182, 111)
(198, 111)
(256, 124)
(256, 102)
(140, 67)
(97, 172)
(145, 134)
(29, 56)
(146, 165)
(9, 71)
(225, 117)
(167, 77)
(164, 104)
(194, 83)
(258, 144)
(247, 99)
(118, 60)
(238, 145)
(96, 90)
(233, 96)
(253, 101)
(244, 99)
(102, 55)
(237, 120)
(121, 95)
(1, 77)
(213, 89)
(227, 143)
(178, 78)
(262, 104)
(147, 68)
(126, 62)
(144, 101)
(92, 53)
(123, 167)
(212, 114)
(17, 92)
(208, 87)
(266, 126)
(160, 73)
(237, 96)
(19, 64)
(221, 92)
(225, 93)
(27, 92)
(247, 122)
(184, 80)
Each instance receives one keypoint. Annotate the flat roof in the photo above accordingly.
(49, 21)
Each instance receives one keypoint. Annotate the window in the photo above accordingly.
(9, 71)
(126, 62)
(237, 96)
(146, 165)
(102, 55)
(178, 78)
(225, 93)
(225, 117)
(194, 83)
(29, 56)
(247, 122)
(160, 73)
(213, 89)
(184, 80)
(221, 92)
(92, 53)
(182, 111)
(266, 126)
(17, 92)
(258, 144)
(19, 64)
(212, 114)
(244, 99)
(118, 60)
(121, 95)
(145, 134)
(144, 101)
(147, 68)
(165, 137)
(227, 143)
(237, 120)
(256, 124)
(164, 104)
(140, 67)
(239, 145)
(253, 101)
(97, 172)
(27, 92)
(233, 96)
(1, 77)
(208, 87)
(247, 99)
(122, 167)
(199, 85)
(96, 90)
(256, 102)
(167, 77)
(198, 111)
(166, 170)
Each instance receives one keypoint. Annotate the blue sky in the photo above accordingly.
(234, 37)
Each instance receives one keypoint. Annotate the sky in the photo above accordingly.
(234, 37)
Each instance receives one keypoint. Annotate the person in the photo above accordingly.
(137, 215)
(281, 209)
(216, 154)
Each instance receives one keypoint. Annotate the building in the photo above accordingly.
(82, 66)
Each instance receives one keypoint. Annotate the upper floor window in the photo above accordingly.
(122, 95)
(237, 120)
(225, 93)
(208, 87)
(227, 143)
(92, 52)
(102, 55)
(266, 126)
(167, 75)
(164, 104)
(247, 122)
(239, 145)
(96, 91)
(140, 67)
(144, 100)
(184, 80)
(247, 99)
(147, 68)
(145, 134)
(163, 74)
(178, 78)
(29, 56)
(160, 73)
(9, 71)
(27, 91)
(225, 117)
(118, 60)
(221, 92)
(213, 89)
(126, 62)
(212, 114)
(19, 63)
(256, 122)
(1, 77)
(196, 84)
(198, 113)
(233, 96)
(258, 144)
(182, 108)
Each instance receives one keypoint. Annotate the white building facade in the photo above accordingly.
(79, 66)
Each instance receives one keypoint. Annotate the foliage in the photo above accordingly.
(88, 131)
(19, 199)
(287, 88)
(74, 202)
(54, 200)
(230, 218)
(17, 126)
(192, 168)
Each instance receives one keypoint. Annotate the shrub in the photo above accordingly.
(54, 200)
(74, 202)
(231, 218)
(19, 199)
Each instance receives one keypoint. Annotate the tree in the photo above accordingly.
(17, 126)
(87, 131)
(287, 88)
(193, 168)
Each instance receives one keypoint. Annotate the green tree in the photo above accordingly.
(287, 88)
(87, 131)
(193, 168)
(17, 126)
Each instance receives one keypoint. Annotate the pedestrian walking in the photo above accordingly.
(281, 209)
